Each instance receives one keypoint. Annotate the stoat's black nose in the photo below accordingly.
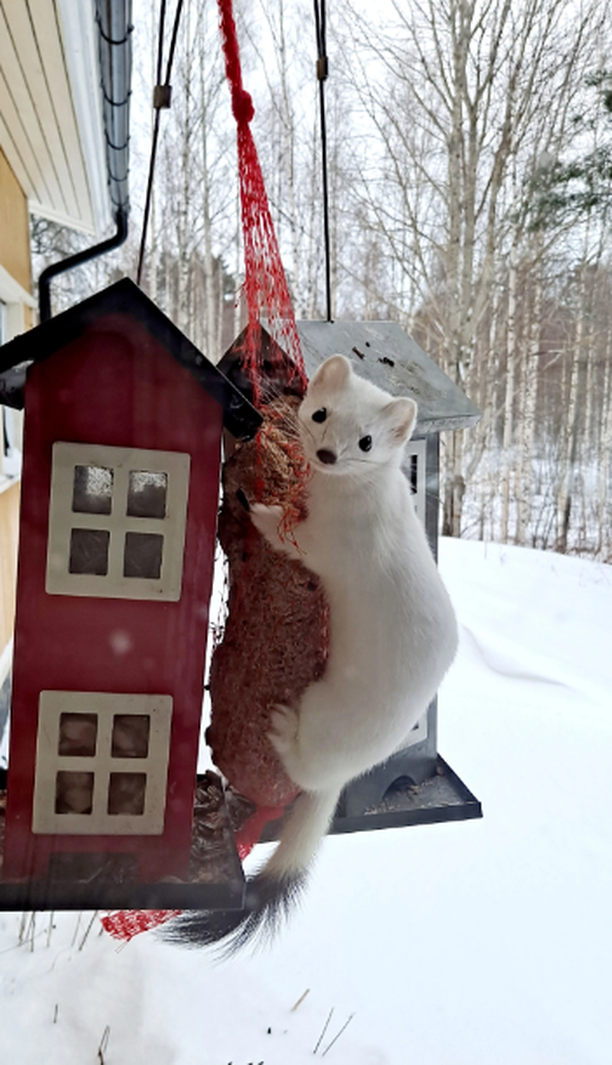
(326, 456)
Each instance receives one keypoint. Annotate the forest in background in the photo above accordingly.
(470, 178)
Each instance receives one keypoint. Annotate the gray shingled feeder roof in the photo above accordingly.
(384, 354)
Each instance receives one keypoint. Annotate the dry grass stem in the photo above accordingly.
(89, 928)
(325, 1027)
(336, 1037)
(103, 1042)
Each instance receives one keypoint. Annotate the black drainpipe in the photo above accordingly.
(113, 19)
(44, 281)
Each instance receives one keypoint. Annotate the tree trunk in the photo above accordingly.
(511, 368)
(527, 407)
(605, 451)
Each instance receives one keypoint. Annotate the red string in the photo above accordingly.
(242, 104)
(250, 832)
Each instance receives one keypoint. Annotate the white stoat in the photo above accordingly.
(393, 633)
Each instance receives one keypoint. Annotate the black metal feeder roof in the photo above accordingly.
(385, 354)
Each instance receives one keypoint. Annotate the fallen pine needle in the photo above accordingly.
(299, 1001)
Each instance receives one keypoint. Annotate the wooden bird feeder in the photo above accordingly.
(123, 427)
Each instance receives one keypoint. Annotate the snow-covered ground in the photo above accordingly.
(476, 943)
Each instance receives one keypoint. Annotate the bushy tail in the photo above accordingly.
(273, 893)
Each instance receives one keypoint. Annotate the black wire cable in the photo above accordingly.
(160, 42)
(173, 41)
(161, 99)
(322, 71)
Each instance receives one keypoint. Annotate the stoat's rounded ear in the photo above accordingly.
(400, 415)
(333, 373)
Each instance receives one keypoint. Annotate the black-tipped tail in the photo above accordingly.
(273, 893)
(269, 902)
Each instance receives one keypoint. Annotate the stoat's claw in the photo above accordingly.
(266, 519)
(284, 728)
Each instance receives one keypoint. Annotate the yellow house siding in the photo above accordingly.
(9, 525)
(14, 227)
(15, 259)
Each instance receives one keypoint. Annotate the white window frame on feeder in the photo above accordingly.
(101, 763)
(117, 524)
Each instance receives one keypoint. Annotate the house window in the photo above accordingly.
(101, 764)
(117, 522)
(10, 422)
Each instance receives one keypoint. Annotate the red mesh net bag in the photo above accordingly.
(276, 633)
(275, 639)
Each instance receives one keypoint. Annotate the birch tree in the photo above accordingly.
(460, 103)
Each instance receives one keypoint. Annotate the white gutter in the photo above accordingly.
(80, 39)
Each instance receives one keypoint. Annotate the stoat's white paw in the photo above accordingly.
(284, 729)
(266, 519)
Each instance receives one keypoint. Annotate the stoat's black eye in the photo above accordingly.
(319, 415)
(365, 443)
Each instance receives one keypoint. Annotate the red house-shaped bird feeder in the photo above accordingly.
(123, 426)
